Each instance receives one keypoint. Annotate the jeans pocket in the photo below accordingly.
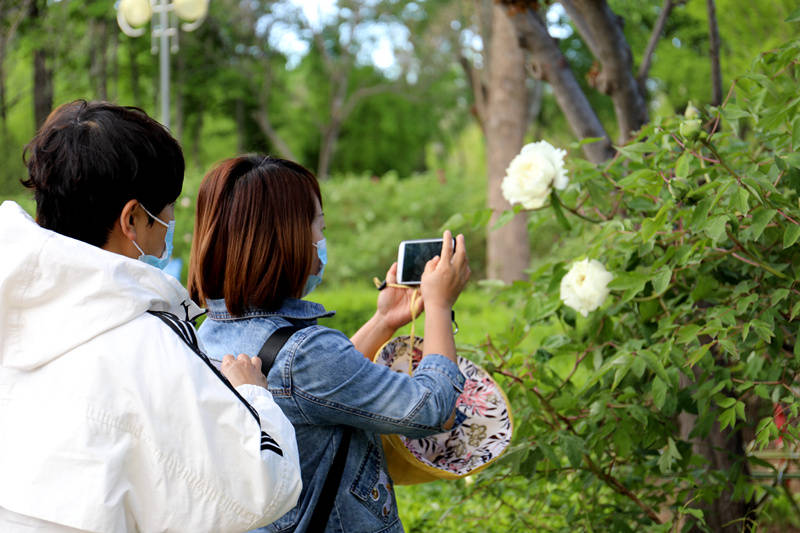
(373, 488)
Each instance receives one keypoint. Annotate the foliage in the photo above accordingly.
(698, 337)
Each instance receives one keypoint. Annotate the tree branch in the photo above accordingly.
(713, 51)
(601, 29)
(548, 63)
(655, 36)
(479, 89)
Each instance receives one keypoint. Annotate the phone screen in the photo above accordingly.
(415, 256)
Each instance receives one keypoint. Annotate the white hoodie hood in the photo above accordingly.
(44, 275)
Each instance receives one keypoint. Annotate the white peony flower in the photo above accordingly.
(533, 173)
(585, 286)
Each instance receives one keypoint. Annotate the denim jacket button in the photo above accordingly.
(375, 494)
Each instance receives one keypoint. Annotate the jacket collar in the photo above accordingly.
(292, 308)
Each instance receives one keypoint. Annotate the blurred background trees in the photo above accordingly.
(355, 87)
(409, 110)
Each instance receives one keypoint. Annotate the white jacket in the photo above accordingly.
(109, 421)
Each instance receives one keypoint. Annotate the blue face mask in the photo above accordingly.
(158, 262)
(315, 279)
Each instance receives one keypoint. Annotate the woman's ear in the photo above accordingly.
(127, 219)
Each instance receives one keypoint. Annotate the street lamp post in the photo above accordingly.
(133, 14)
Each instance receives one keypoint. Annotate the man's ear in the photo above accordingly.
(127, 219)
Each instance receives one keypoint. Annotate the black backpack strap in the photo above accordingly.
(185, 331)
(273, 344)
(322, 511)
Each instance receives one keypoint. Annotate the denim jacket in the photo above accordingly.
(322, 384)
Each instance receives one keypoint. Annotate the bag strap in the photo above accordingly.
(273, 344)
(322, 511)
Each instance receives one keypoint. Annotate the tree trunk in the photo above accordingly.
(724, 451)
(115, 64)
(42, 87)
(3, 112)
(265, 125)
(507, 249)
(136, 89)
(329, 137)
(601, 29)
(197, 134)
(180, 87)
(98, 50)
(550, 65)
(42, 72)
(713, 38)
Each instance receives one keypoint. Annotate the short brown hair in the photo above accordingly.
(252, 244)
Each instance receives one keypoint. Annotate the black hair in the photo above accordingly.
(90, 158)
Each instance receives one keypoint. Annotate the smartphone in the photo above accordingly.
(412, 257)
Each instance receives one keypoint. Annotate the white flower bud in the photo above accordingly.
(585, 286)
(533, 173)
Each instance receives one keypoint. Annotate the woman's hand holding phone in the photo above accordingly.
(446, 275)
(443, 280)
(394, 304)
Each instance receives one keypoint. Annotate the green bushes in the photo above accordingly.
(673, 380)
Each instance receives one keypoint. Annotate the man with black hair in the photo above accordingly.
(111, 416)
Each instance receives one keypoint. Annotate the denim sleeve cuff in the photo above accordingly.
(441, 364)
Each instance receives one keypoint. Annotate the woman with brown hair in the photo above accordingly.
(258, 249)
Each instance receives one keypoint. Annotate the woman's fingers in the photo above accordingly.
(447, 246)
(391, 275)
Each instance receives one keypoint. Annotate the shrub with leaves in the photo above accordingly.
(649, 409)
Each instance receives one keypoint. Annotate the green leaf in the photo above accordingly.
(761, 217)
(659, 391)
(700, 214)
(661, 280)
(697, 513)
(622, 441)
(589, 140)
(794, 16)
(727, 418)
(715, 227)
(668, 457)
(740, 200)
(796, 134)
(739, 408)
(793, 160)
(726, 402)
(503, 219)
(555, 202)
(762, 329)
(651, 225)
(795, 310)
(629, 280)
(697, 354)
(654, 364)
(573, 448)
(779, 295)
(682, 166)
(634, 151)
(732, 112)
(687, 333)
(790, 235)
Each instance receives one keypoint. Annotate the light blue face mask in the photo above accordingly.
(158, 262)
(315, 279)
